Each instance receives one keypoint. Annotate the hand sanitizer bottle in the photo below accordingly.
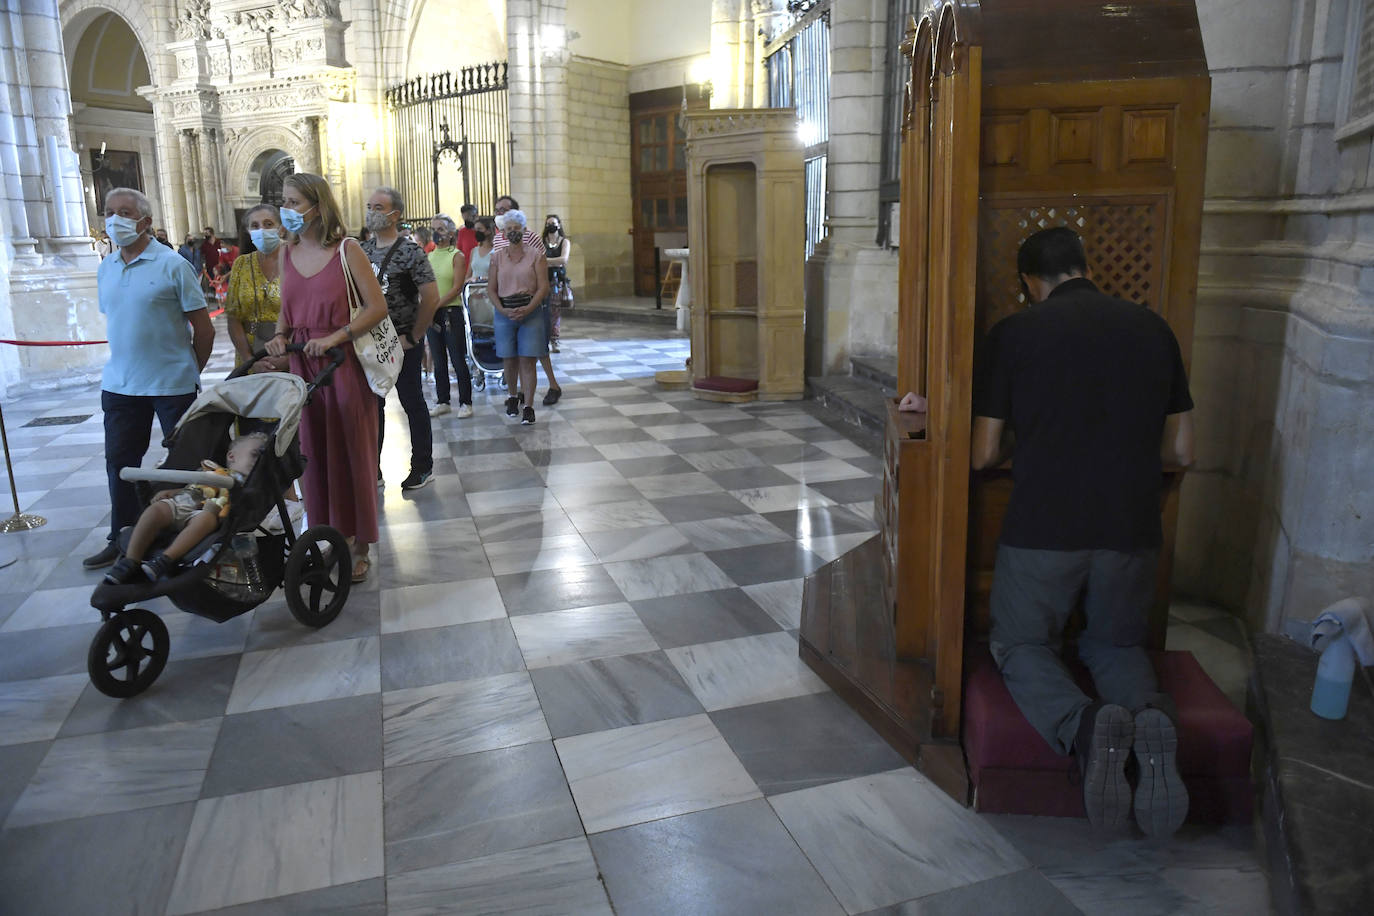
(1335, 672)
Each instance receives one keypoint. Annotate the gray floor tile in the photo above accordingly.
(280, 841)
(740, 858)
(558, 589)
(850, 491)
(460, 808)
(749, 669)
(695, 508)
(804, 741)
(417, 658)
(644, 467)
(33, 710)
(638, 543)
(122, 862)
(525, 526)
(749, 478)
(307, 674)
(557, 457)
(449, 720)
(766, 562)
(117, 771)
(483, 481)
(273, 627)
(557, 877)
(187, 690)
(1025, 891)
(681, 620)
(18, 763)
(580, 634)
(819, 521)
(361, 898)
(290, 744)
(612, 692)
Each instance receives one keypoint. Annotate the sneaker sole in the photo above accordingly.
(421, 485)
(1161, 799)
(1106, 791)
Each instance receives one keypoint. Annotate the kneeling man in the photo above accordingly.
(1094, 392)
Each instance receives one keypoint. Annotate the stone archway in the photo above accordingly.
(270, 168)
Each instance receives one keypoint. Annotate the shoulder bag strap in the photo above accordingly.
(355, 304)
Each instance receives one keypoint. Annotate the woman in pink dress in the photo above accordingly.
(338, 432)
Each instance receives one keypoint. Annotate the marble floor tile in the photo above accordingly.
(290, 744)
(831, 548)
(273, 627)
(766, 562)
(417, 658)
(35, 710)
(117, 771)
(187, 690)
(774, 499)
(725, 459)
(307, 674)
(18, 763)
(44, 652)
(682, 620)
(558, 589)
(449, 720)
(825, 471)
(845, 492)
(441, 604)
(475, 482)
(459, 808)
(764, 437)
(646, 407)
(574, 496)
(1025, 891)
(650, 466)
(750, 669)
(56, 607)
(638, 543)
(124, 860)
(579, 634)
(750, 478)
(731, 531)
(740, 859)
(591, 472)
(883, 839)
(782, 600)
(844, 448)
(789, 453)
(508, 557)
(496, 461)
(423, 566)
(360, 898)
(554, 878)
(525, 526)
(197, 637)
(617, 451)
(616, 516)
(804, 741)
(278, 841)
(673, 575)
(695, 508)
(442, 537)
(611, 692)
(678, 431)
(644, 772)
(501, 502)
(820, 521)
(666, 486)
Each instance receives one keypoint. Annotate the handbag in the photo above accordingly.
(379, 350)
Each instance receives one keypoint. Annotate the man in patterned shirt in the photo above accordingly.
(411, 298)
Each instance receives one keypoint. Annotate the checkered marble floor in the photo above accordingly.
(571, 685)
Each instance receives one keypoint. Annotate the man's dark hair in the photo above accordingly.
(514, 204)
(1051, 253)
(468, 208)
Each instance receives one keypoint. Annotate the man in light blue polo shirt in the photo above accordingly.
(160, 338)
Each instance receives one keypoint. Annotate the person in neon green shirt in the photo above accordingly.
(447, 337)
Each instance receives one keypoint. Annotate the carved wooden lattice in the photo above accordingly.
(1124, 239)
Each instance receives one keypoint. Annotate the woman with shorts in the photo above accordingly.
(519, 278)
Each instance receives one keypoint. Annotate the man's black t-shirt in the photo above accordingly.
(1085, 382)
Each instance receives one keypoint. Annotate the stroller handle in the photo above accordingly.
(335, 354)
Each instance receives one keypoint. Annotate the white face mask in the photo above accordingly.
(266, 240)
(122, 230)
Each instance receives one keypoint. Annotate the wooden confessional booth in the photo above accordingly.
(1019, 115)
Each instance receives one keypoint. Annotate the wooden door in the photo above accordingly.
(658, 174)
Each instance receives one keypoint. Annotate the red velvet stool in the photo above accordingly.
(1013, 770)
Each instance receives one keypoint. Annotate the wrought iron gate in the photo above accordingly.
(454, 123)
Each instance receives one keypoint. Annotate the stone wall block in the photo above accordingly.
(1318, 164)
(1247, 98)
(1245, 33)
(1243, 163)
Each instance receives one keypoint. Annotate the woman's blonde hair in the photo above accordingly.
(316, 190)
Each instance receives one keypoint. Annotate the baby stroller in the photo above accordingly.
(240, 565)
(481, 331)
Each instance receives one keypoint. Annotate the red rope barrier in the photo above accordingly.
(74, 343)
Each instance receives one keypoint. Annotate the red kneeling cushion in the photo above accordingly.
(1014, 771)
(727, 384)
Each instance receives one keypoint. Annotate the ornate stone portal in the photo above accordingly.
(252, 77)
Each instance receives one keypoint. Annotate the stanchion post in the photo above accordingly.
(19, 521)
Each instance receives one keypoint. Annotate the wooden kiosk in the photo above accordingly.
(745, 200)
(1018, 116)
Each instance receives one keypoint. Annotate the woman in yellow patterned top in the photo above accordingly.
(253, 300)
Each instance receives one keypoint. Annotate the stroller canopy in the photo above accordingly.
(261, 396)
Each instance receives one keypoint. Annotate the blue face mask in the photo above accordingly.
(122, 230)
(292, 220)
(265, 240)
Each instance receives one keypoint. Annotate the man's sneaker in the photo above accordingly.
(1103, 746)
(123, 572)
(417, 479)
(513, 406)
(527, 418)
(107, 555)
(464, 411)
(551, 396)
(438, 410)
(157, 567)
(1161, 801)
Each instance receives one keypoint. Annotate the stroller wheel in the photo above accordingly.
(128, 653)
(319, 573)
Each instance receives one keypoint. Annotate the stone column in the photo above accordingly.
(171, 178)
(195, 214)
(217, 208)
(540, 173)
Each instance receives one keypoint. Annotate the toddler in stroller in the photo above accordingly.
(193, 511)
